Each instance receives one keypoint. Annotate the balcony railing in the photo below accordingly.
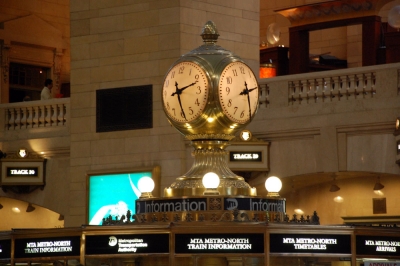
(35, 114)
(335, 85)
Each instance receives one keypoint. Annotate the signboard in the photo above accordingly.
(248, 156)
(219, 243)
(115, 193)
(127, 244)
(310, 243)
(22, 172)
(200, 204)
(236, 156)
(378, 245)
(47, 247)
(255, 204)
(171, 205)
(5, 249)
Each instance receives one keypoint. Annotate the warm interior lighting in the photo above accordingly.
(146, 186)
(299, 211)
(273, 185)
(211, 182)
(23, 153)
(30, 208)
(378, 185)
(210, 119)
(338, 199)
(267, 71)
(16, 209)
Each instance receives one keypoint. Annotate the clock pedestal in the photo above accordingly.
(209, 156)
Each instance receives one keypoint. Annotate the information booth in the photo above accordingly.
(203, 243)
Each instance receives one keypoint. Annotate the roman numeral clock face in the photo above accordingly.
(238, 92)
(185, 92)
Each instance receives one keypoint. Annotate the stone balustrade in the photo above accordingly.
(35, 114)
(335, 85)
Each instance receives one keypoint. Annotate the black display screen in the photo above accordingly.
(310, 243)
(219, 243)
(5, 249)
(378, 245)
(127, 244)
(47, 247)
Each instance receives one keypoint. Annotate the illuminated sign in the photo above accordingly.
(200, 204)
(310, 243)
(127, 244)
(47, 247)
(219, 243)
(235, 156)
(172, 205)
(5, 249)
(114, 194)
(255, 204)
(19, 171)
(378, 245)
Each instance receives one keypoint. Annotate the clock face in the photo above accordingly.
(185, 92)
(238, 92)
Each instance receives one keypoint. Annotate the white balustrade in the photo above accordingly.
(328, 86)
(35, 114)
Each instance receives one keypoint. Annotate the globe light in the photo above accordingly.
(146, 186)
(211, 183)
(273, 185)
(394, 17)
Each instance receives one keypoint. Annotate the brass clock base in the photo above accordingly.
(209, 156)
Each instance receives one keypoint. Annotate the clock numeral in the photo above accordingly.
(190, 72)
(228, 90)
(168, 107)
(242, 70)
(229, 80)
(181, 69)
(172, 74)
(234, 72)
(242, 114)
(229, 103)
(191, 111)
(183, 115)
(166, 83)
(173, 110)
(235, 108)
(196, 76)
(199, 90)
(197, 102)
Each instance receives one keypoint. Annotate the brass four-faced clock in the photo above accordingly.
(238, 92)
(185, 92)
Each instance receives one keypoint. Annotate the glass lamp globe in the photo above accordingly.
(273, 185)
(211, 183)
(146, 186)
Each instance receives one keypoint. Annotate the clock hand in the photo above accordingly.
(247, 91)
(179, 91)
(180, 104)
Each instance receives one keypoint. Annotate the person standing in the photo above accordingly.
(46, 91)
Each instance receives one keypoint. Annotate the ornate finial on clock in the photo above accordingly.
(210, 33)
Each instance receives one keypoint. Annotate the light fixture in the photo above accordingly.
(30, 208)
(245, 135)
(334, 187)
(61, 217)
(273, 185)
(211, 182)
(146, 186)
(267, 71)
(378, 185)
(23, 153)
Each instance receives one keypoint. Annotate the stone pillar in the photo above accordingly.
(5, 72)
(57, 66)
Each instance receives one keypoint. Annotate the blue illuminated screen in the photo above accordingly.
(113, 194)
